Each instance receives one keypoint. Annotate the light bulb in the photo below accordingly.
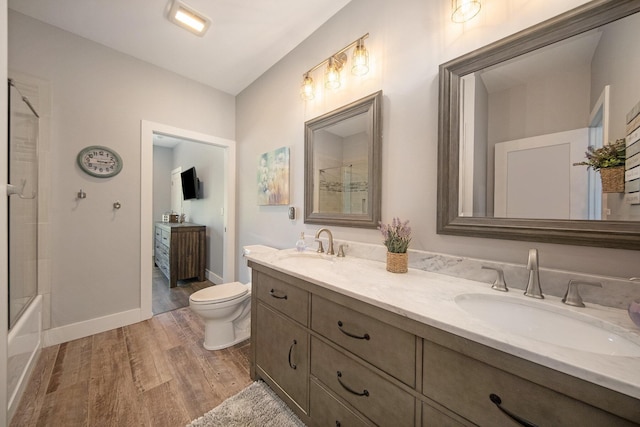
(306, 89)
(332, 76)
(464, 10)
(360, 60)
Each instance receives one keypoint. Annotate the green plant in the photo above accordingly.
(397, 235)
(608, 156)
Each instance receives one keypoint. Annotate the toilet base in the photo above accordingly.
(222, 335)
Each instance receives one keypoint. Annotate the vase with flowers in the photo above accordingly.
(397, 237)
(609, 160)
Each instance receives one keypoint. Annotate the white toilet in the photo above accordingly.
(225, 309)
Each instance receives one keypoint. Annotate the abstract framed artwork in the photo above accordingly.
(273, 177)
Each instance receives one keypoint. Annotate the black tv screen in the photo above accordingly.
(190, 184)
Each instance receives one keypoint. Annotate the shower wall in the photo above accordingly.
(24, 304)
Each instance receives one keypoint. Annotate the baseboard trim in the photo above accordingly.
(214, 278)
(77, 330)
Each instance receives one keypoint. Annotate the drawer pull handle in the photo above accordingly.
(292, 365)
(365, 392)
(349, 334)
(272, 292)
(497, 401)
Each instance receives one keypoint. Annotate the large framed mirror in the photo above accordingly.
(516, 115)
(342, 182)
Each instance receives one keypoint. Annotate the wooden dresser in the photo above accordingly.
(180, 251)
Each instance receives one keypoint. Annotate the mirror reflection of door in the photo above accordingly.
(535, 177)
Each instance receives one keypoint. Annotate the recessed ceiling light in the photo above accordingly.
(188, 18)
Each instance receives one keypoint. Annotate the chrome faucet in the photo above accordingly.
(320, 248)
(533, 285)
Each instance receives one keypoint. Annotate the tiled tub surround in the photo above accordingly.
(428, 298)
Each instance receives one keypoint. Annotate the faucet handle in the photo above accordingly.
(320, 247)
(499, 284)
(341, 250)
(572, 296)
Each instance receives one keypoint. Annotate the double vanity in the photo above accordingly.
(344, 342)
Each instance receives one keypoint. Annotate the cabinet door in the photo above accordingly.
(282, 352)
(465, 386)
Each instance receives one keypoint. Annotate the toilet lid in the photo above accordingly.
(219, 293)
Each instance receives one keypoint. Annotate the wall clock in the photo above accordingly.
(98, 161)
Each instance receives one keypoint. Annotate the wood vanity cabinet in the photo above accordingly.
(180, 251)
(338, 361)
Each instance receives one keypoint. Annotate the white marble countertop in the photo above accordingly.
(429, 298)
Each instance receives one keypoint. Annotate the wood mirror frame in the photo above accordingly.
(370, 219)
(609, 234)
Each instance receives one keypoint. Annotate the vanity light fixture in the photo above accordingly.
(307, 89)
(188, 18)
(464, 10)
(335, 63)
(332, 74)
(360, 59)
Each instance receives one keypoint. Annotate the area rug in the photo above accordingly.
(255, 406)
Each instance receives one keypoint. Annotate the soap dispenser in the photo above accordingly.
(300, 244)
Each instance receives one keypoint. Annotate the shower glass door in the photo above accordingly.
(23, 206)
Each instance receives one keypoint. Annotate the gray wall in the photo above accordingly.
(99, 96)
(209, 163)
(406, 45)
(162, 167)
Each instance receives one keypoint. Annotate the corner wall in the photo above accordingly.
(406, 46)
(99, 97)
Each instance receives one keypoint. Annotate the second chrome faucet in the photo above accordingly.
(533, 289)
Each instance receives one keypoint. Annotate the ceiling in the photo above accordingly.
(245, 39)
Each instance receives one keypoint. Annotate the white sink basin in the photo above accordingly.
(553, 325)
(304, 259)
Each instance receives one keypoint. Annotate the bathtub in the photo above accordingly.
(24, 342)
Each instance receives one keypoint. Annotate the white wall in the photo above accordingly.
(100, 96)
(4, 276)
(406, 45)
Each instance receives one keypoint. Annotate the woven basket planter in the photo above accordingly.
(612, 179)
(397, 263)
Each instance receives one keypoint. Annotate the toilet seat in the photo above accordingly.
(219, 293)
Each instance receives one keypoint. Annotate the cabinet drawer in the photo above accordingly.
(286, 298)
(166, 237)
(389, 348)
(431, 417)
(326, 410)
(282, 351)
(158, 231)
(464, 385)
(383, 402)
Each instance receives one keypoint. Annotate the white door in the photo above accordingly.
(535, 177)
(176, 191)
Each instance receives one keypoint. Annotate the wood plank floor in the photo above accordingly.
(153, 373)
(166, 299)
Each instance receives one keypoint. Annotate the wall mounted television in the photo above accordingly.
(190, 184)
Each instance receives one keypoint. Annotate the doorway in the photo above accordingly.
(227, 212)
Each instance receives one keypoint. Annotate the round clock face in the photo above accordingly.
(101, 162)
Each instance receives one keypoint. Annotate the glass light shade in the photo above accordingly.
(306, 89)
(464, 10)
(332, 76)
(360, 60)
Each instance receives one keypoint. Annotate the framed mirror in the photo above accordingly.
(513, 111)
(342, 181)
